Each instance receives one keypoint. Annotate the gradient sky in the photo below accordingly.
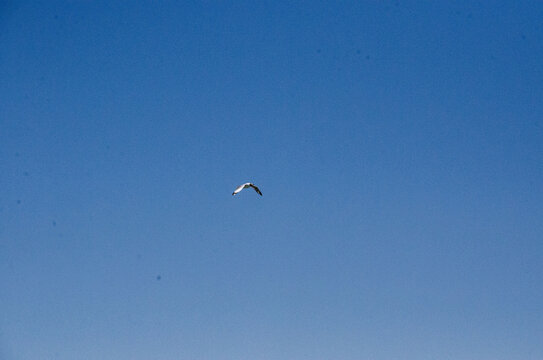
(398, 144)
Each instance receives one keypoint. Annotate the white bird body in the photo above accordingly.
(245, 186)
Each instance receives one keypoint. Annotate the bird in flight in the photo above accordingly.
(245, 186)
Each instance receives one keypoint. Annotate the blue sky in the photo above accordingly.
(399, 147)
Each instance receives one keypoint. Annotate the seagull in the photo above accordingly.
(245, 186)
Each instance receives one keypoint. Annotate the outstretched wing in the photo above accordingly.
(238, 189)
(256, 189)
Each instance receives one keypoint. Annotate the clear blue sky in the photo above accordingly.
(398, 144)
